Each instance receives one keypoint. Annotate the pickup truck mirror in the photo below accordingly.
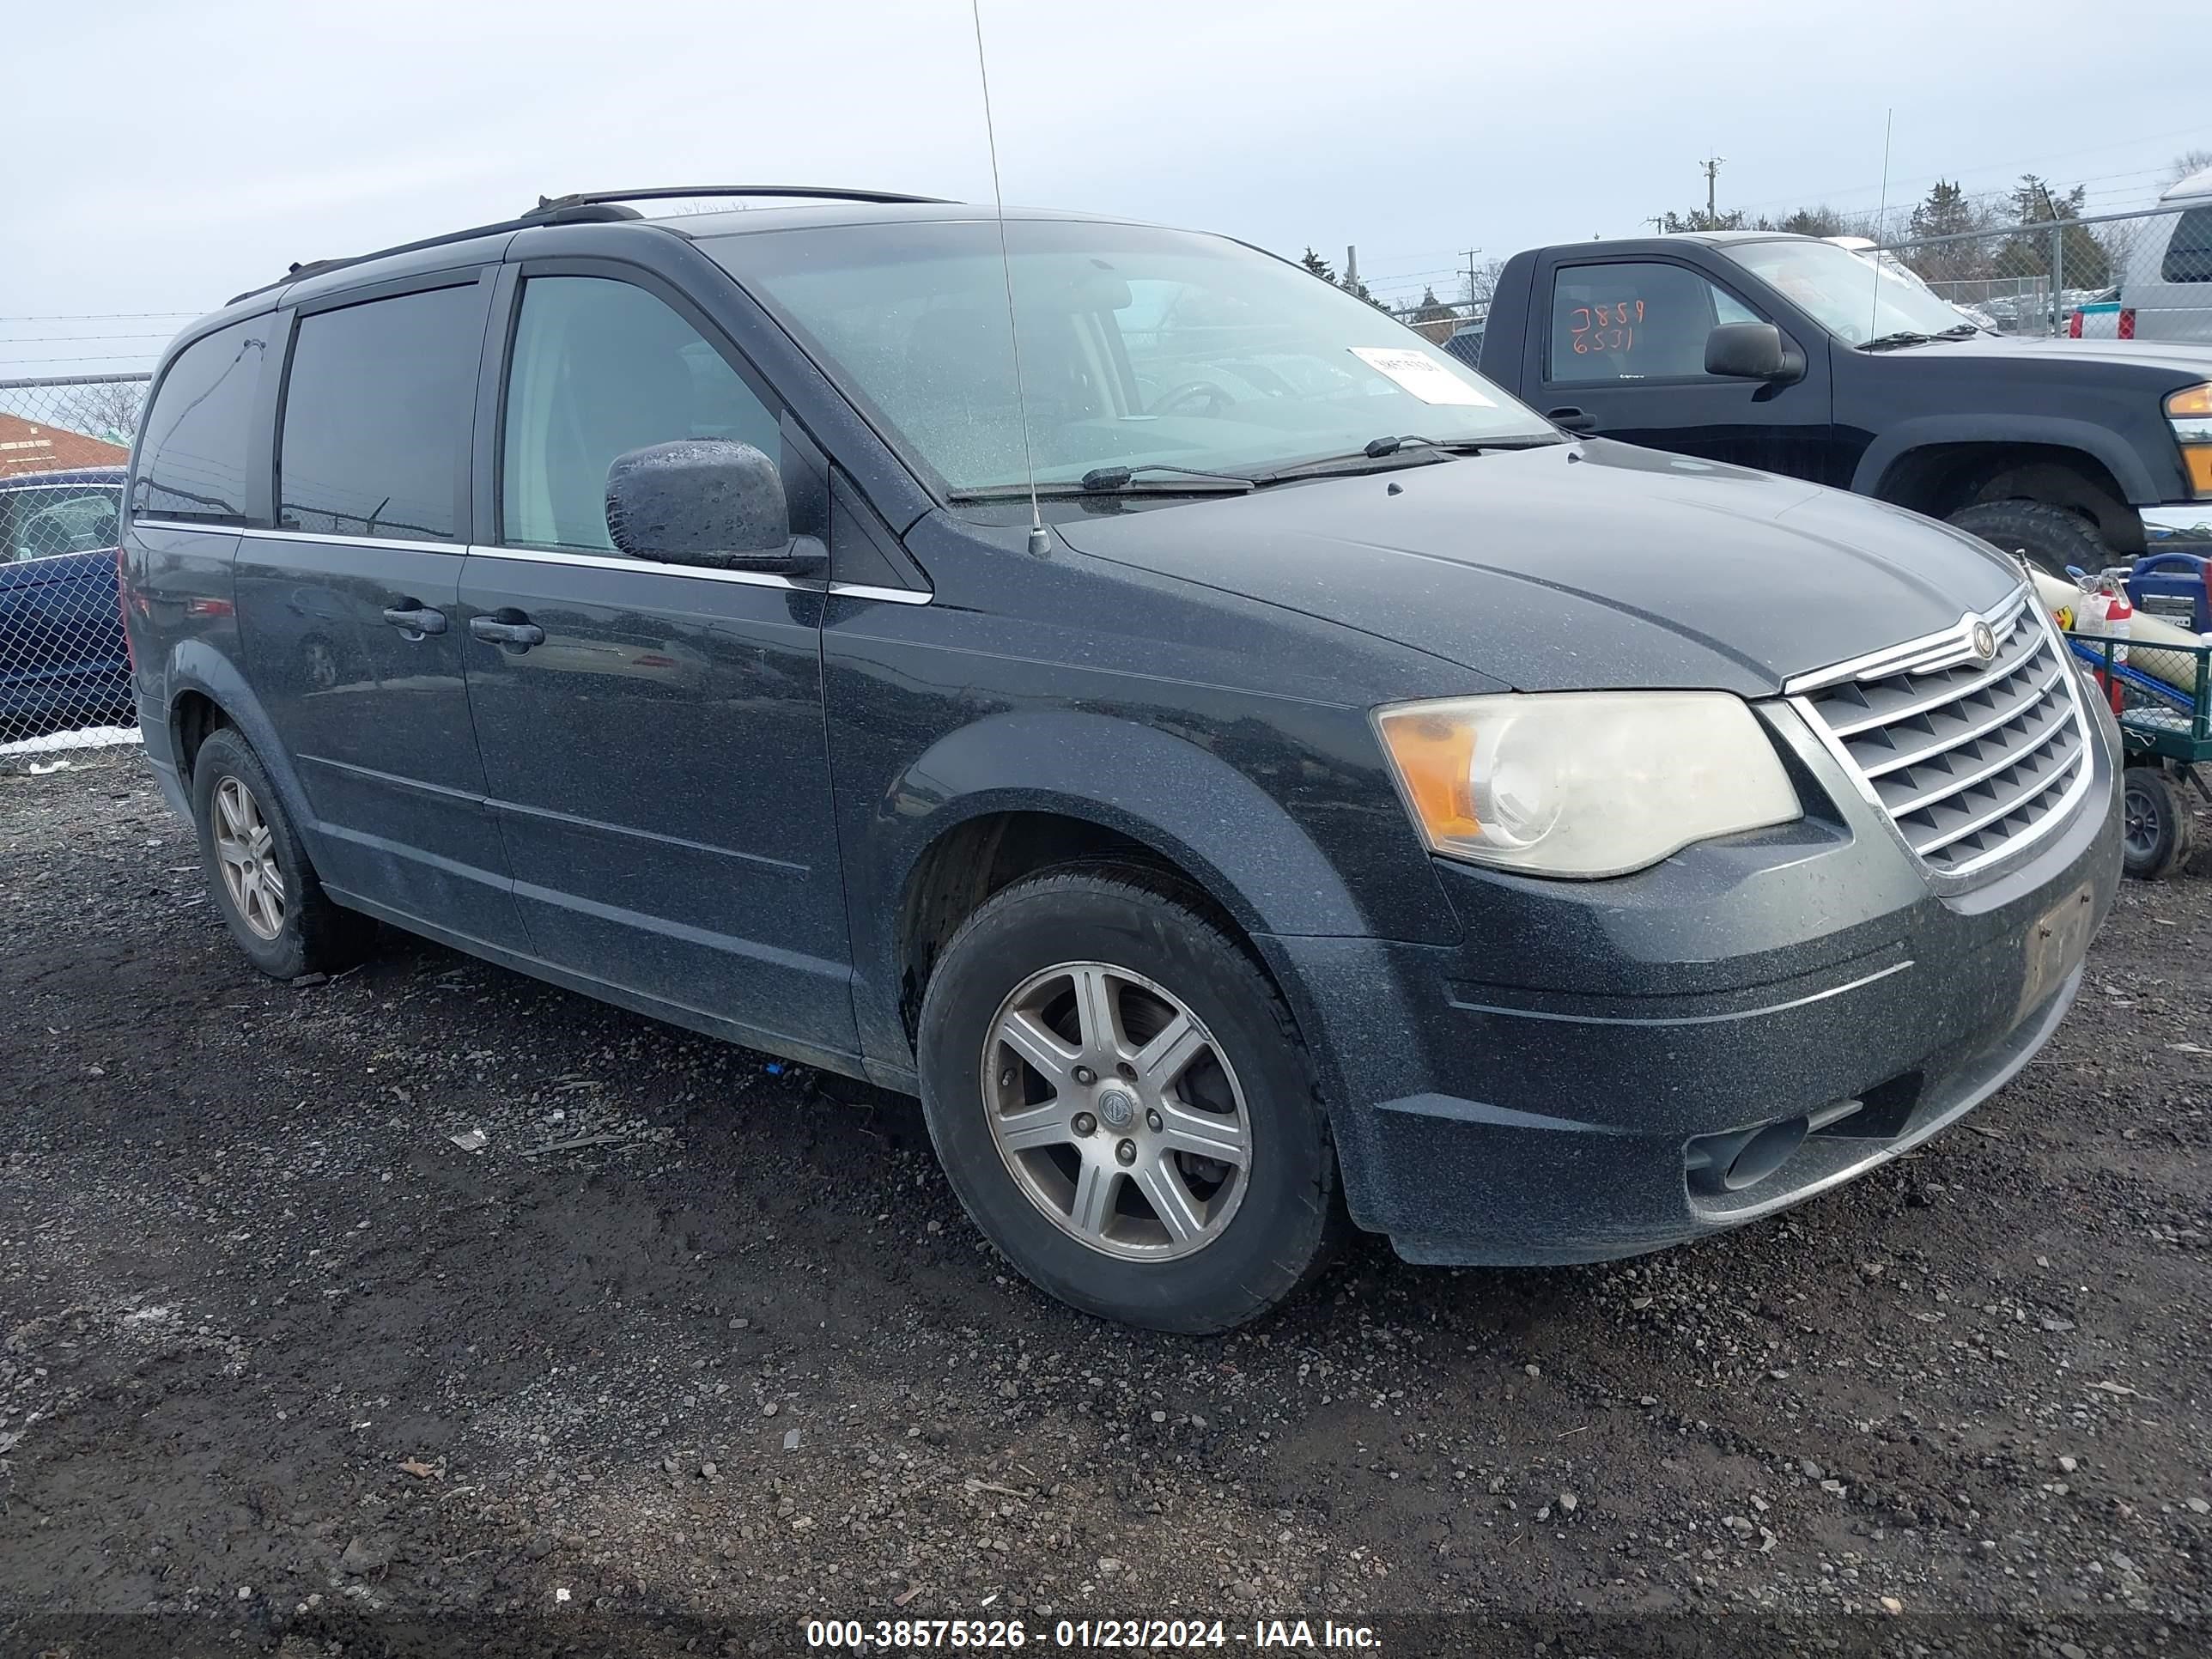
(1751, 351)
(710, 501)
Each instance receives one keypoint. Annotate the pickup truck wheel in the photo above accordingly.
(258, 873)
(2050, 536)
(1122, 1104)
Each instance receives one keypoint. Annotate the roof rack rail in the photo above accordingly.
(590, 207)
(665, 193)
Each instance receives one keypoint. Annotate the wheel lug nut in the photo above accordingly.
(1126, 1151)
(1085, 1124)
(1086, 1076)
(1152, 1120)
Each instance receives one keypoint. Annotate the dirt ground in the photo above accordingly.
(694, 1350)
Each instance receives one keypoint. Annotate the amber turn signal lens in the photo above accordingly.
(1435, 757)
(2190, 400)
(2197, 462)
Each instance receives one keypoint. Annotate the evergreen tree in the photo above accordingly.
(1948, 211)
(2030, 254)
(1431, 309)
(1319, 266)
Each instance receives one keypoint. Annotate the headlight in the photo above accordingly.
(1584, 783)
(2191, 411)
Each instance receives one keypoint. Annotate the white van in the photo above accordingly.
(2165, 289)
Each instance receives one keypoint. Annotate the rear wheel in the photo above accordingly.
(1122, 1104)
(258, 873)
(2050, 538)
(2160, 829)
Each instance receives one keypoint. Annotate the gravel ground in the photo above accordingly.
(693, 1349)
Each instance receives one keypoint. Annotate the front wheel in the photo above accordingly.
(2049, 538)
(1122, 1104)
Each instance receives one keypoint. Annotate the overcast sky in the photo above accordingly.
(164, 157)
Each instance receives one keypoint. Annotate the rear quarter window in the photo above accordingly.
(2189, 250)
(191, 462)
(377, 410)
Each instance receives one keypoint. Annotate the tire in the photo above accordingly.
(277, 911)
(2160, 829)
(2050, 537)
(1239, 1083)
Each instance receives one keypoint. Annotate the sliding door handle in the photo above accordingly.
(508, 628)
(415, 619)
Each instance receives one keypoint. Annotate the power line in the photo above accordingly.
(2198, 131)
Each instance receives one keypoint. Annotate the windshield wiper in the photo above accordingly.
(1904, 337)
(1392, 449)
(1104, 479)
(1116, 482)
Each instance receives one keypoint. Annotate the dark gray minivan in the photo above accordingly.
(1353, 798)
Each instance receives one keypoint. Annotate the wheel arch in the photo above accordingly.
(1013, 794)
(1940, 465)
(205, 692)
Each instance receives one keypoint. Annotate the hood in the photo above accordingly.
(1579, 566)
(2186, 362)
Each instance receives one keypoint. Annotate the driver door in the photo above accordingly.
(653, 737)
(1624, 357)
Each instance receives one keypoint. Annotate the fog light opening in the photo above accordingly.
(1764, 1153)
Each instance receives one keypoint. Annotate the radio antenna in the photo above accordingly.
(1040, 542)
(1880, 229)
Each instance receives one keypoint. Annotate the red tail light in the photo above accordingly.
(2127, 322)
(2074, 323)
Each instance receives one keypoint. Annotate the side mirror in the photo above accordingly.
(1751, 351)
(709, 501)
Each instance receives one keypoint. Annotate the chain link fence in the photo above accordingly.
(64, 672)
(2121, 276)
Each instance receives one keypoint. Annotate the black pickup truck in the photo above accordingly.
(1796, 355)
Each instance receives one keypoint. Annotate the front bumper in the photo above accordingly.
(1581, 1078)
(2186, 528)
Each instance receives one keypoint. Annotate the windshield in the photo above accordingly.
(1846, 292)
(1140, 348)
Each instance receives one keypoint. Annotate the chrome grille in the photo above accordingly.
(1971, 756)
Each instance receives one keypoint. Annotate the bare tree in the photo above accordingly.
(2189, 161)
(105, 409)
(1479, 285)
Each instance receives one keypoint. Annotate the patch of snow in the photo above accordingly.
(88, 736)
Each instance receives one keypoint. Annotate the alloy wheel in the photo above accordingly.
(245, 852)
(1116, 1112)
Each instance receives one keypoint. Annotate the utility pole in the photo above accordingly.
(1712, 166)
(1473, 298)
(1351, 269)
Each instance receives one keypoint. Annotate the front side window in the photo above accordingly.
(191, 461)
(2188, 256)
(1853, 298)
(1640, 321)
(377, 413)
(1139, 347)
(601, 368)
(53, 519)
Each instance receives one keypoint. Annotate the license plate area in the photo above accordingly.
(2055, 941)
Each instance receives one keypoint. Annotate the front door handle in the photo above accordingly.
(508, 628)
(1572, 419)
(415, 619)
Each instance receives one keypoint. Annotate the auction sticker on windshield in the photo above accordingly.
(1420, 375)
